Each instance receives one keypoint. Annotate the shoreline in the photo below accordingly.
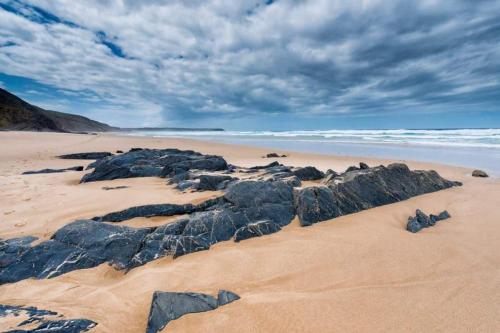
(359, 272)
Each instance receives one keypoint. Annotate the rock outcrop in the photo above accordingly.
(168, 306)
(86, 156)
(361, 189)
(421, 220)
(45, 325)
(308, 173)
(76, 168)
(153, 162)
(479, 173)
(248, 208)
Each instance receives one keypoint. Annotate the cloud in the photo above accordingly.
(178, 61)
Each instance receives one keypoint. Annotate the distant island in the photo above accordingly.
(19, 115)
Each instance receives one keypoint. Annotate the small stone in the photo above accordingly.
(479, 173)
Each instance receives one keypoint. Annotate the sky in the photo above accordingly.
(257, 64)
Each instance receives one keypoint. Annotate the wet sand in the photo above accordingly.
(358, 273)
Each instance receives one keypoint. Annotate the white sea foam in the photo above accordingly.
(481, 138)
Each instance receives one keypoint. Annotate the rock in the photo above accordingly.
(441, 216)
(86, 156)
(256, 229)
(78, 245)
(267, 166)
(352, 168)
(155, 210)
(308, 173)
(11, 249)
(153, 162)
(362, 189)
(271, 155)
(413, 225)
(76, 168)
(421, 220)
(213, 182)
(135, 149)
(119, 151)
(45, 325)
(315, 204)
(168, 306)
(363, 166)
(225, 297)
(479, 173)
(107, 188)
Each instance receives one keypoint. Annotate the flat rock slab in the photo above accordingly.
(86, 156)
(46, 321)
(168, 306)
(75, 168)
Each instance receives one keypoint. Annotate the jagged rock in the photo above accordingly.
(153, 162)
(11, 249)
(421, 220)
(352, 168)
(315, 204)
(363, 166)
(362, 189)
(168, 306)
(155, 210)
(308, 173)
(86, 156)
(213, 182)
(46, 325)
(135, 149)
(78, 245)
(441, 216)
(479, 173)
(256, 229)
(75, 168)
(413, 225)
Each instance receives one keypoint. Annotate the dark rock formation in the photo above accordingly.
(78, 245)
(357, 190)
(272, 155)
(119, 151)
(168, 306)
(479, 173)
(214, 182)
(153, 162)
(248, 208)
(86, 156)
(315, 204)
(308, 173)
(76, 168)
(421, 220)
(107, 188)
(256, 229)
(352, 168)
(45, 325)
(267, 166)
(156, 210)
(363, 166)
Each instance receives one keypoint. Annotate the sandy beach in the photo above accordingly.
(357, 273)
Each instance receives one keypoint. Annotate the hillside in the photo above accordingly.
(16, 114)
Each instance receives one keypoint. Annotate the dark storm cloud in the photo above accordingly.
(188, 60)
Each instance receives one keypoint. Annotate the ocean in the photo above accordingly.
(474, 148)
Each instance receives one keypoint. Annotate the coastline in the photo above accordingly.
(359, 272)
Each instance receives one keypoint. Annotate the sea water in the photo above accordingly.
(475, 148)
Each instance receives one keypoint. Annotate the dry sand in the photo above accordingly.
(357, 273)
